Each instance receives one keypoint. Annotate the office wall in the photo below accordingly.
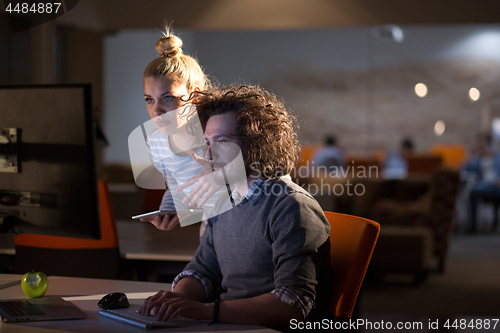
(15, 62)
(344, 81)
(126, 55)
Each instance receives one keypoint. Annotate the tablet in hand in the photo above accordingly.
(151, 215)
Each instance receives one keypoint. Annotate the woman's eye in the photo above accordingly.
(149, 100)
(168, 98)
(221, 142)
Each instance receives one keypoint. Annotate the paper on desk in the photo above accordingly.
(10, 284)
(98, 297)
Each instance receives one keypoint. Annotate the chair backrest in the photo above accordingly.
(369, 163)
(424, 164)
(352, 241)
(444, 189)
(453, 155)
(67, 256)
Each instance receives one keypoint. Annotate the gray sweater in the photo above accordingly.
(269, 242)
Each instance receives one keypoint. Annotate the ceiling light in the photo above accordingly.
(439, 127)
(421, 90)
(474, 94)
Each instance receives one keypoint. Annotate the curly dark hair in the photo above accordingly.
(268, 130)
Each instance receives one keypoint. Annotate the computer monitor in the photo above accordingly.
(48, 181)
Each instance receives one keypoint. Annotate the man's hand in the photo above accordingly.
(166, 222)
(167, 305)
(152, 301)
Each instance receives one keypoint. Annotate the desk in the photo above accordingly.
(147, 249)
(9, 280)
(142, 241)
(69, 287)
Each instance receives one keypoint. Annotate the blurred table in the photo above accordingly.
(142, 241)
(147, 250)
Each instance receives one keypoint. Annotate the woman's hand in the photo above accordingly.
(166, 222)
(205, 186)
(167, 305)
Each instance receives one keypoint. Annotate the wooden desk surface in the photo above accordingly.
(93, 290)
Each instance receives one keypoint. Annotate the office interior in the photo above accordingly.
(354, 69)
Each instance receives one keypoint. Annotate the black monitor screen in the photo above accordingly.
(48, 181)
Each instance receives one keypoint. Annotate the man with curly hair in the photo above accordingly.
(263, 261)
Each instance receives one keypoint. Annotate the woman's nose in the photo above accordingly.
(157, 110)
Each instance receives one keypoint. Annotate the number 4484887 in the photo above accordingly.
(475, 324)
(40, 8)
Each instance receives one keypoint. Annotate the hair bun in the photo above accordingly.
(169, 46)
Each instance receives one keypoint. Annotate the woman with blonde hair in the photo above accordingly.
(170, 84)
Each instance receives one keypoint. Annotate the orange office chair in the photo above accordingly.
(66, 256)
(352, 241)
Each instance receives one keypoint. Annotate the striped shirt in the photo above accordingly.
(175, 169)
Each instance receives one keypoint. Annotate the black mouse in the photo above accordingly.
(114, 301)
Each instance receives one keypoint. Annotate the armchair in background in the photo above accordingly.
(435, 210)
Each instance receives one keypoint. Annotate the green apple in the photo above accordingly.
(34, 284)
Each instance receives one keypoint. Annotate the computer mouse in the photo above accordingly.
(114, 301)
